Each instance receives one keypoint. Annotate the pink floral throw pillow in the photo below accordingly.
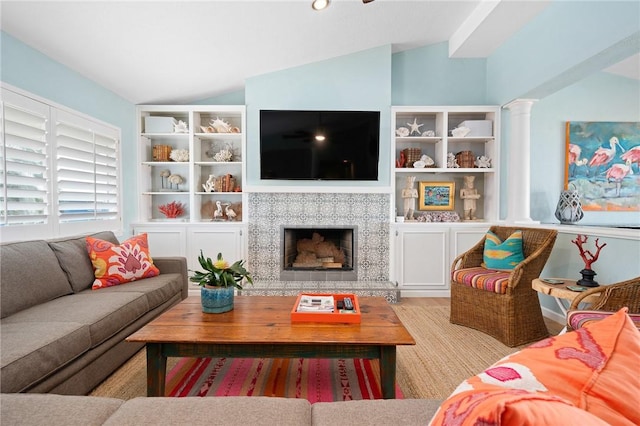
(118, 264)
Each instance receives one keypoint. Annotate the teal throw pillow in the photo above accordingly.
(502, 255)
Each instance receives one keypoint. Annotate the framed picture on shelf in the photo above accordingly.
(436, 196)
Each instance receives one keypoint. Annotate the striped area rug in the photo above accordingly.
(317, 380)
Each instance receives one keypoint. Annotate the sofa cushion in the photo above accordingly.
(56, 410)
(74, 259)
(374, 412)
(483, 279)
(157, 290)
(594, 369)
(34, 349)
(105, 314)
(31, 275)
(118, 264)
(228, 411)
(503, 255)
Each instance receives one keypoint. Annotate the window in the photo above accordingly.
(59, 171)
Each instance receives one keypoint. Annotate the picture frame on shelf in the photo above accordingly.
(436, 196)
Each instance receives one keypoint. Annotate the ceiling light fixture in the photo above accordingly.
(320, 4)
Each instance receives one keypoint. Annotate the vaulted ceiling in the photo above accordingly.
(175, 52)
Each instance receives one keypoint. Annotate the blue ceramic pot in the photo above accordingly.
(216, 300)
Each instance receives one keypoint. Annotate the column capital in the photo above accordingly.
(520, 104)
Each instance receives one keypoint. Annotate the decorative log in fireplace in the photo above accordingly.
(315, 252)
(318, 249)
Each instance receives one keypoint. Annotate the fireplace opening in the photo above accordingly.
(318, 250)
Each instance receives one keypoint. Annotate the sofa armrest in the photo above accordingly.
(174, 265)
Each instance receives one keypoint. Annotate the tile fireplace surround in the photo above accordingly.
(369, 212)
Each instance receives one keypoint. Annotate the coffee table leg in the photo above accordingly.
(156, 370)
(388, 371)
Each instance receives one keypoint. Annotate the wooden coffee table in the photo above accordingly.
(261, 327)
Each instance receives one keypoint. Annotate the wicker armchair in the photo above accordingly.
(612, 298)
(514, 318)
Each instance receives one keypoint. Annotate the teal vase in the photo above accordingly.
(216, 300)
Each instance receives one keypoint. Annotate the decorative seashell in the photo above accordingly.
(419, 164)
(181, 127)
(460, 132)
(204, 129)
(402, 132)
(428, 134)
(428, 161)
(220, 125)
(234, 129)
(211, 129)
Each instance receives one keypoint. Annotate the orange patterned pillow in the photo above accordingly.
(594, 369)
(118, 264)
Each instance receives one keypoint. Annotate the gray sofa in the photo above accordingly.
(60, 336)
(54, 410)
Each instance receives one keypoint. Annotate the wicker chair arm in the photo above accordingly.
(613, 297)
(530, 268)
(469, 259)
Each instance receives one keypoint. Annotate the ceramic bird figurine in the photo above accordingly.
(231, 214)
(217, 214)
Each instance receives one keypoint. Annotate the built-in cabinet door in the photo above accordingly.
(224, 239)
(422, 260)
(463, 238)
(164, 241)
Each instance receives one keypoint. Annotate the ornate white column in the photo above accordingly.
(519, 162)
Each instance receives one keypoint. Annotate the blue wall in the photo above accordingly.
(30, 70)
(566, 42)
(426, 76)
(601, 97)
(361, 81)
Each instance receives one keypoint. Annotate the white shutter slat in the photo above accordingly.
(71, 175)
(40, 194)
(23, 156)
(17, 141)
(25, 131)
(26, 117)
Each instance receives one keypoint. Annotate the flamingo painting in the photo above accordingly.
(603, 156)
(633, 156)
(617, 173)
(603, 163)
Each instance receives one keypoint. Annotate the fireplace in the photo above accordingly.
(318, 253)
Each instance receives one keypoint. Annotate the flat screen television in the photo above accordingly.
(319, 145)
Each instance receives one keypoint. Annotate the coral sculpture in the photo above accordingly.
(587, 257)
(223, 155)
(179, 155)
(172, 210)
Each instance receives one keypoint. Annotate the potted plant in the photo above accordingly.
(219, 282)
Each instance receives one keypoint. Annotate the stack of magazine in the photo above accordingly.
(310, 303)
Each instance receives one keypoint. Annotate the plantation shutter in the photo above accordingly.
(86, 170)
(24, 161)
